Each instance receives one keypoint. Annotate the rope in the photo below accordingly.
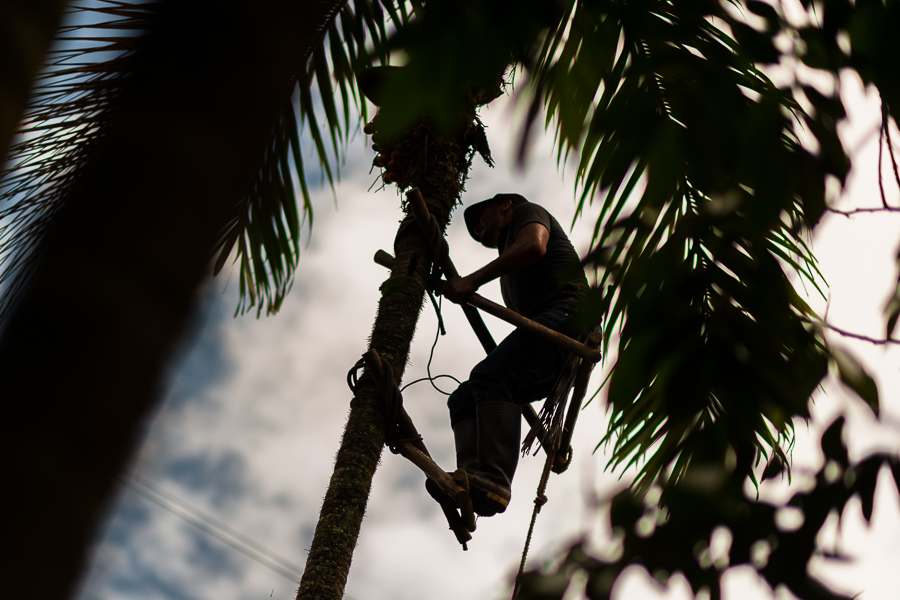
(392, 395)
(440, 251)
(432, 378)
(553, 447)
(539, 501)
(353, 375)
(393, 402)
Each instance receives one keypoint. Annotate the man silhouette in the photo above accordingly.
(540, 278)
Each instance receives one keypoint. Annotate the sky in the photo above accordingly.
(252, 412)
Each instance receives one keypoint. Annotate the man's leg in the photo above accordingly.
(524, 366)
(521, 369)
(464, 424)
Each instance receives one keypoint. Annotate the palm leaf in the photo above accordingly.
(327, 106)
(692, 153)
(70, 105)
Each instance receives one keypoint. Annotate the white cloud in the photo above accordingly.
(254, 414)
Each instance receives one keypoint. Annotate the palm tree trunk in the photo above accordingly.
(82, 353)
(401, 301)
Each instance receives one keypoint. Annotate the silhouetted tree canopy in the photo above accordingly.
(164, 138)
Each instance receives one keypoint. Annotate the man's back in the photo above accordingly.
(556, 278)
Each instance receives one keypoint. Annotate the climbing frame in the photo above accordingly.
(456, 502)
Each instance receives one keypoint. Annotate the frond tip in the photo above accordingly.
(326, 106)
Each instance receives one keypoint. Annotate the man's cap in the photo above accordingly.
(472, 214)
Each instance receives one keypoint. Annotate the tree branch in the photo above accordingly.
(884, 135)
(858, 336)
(881, 153)
(850, 213)
(885, 124)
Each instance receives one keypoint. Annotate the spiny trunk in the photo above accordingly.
(398, 311)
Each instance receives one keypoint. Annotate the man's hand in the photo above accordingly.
(458, 289)
(528, 247)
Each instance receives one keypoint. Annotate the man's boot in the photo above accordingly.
(465, 436)
(499, 436)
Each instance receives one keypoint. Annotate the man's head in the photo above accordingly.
(487, 218)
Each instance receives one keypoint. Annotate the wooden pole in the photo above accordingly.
(531, 417)
(424, 219)
(413, 449)
(554, 337)
(579, 389)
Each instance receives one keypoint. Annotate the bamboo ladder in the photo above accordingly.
(457, 504)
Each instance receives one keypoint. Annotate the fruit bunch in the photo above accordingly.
(394, 152)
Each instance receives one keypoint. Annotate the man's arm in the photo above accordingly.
(529, 246)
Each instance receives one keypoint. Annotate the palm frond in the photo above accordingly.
(327, 107)
(705, 195)
(69, 106)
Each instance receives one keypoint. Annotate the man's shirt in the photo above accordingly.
(556, 278)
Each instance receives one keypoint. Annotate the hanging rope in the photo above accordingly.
(578, 379)
(540, 500)
(392, 395)
(353, 377)
(432, 378)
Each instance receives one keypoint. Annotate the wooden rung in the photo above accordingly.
(472, 315)
(384, 259)
(452, 485)
(387, 261)
(413, 449)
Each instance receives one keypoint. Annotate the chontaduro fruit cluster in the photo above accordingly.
(395, 153)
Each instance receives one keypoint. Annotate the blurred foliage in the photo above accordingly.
(709, 178)
(707, 525)
(326, 104)
(458, 48)
(706, 191)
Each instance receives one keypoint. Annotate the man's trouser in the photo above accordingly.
(520, 370)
